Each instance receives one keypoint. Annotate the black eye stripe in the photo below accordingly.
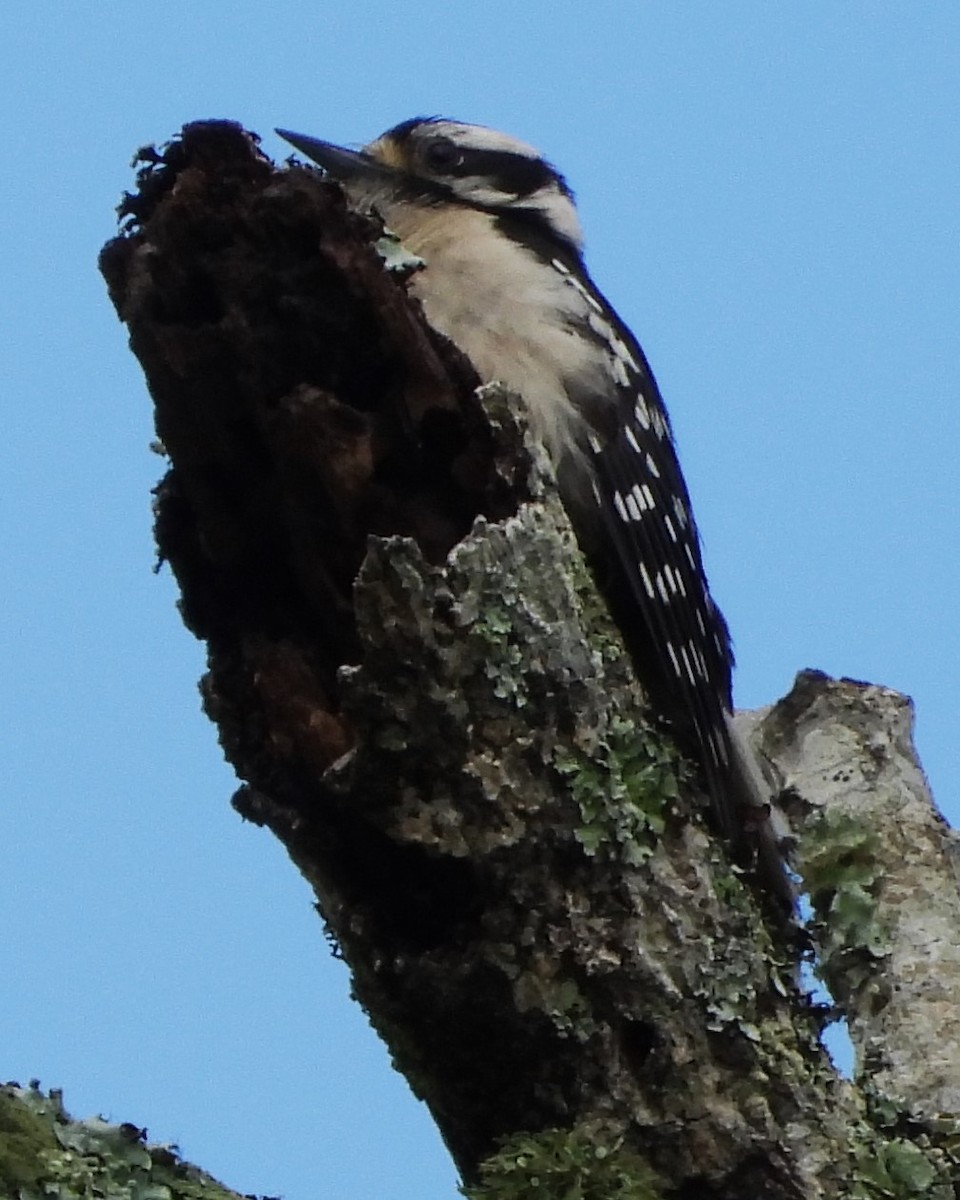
(514, 174)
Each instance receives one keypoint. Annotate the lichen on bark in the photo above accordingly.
(46, 1153)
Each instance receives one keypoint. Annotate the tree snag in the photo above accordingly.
(426, 701)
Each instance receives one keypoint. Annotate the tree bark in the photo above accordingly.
(413, 674)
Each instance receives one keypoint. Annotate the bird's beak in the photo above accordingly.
(338, 161)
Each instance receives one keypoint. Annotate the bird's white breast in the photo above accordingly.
(518, 318)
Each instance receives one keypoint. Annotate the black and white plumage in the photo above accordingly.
(505, 280)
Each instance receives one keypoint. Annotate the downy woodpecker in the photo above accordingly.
(504, 279)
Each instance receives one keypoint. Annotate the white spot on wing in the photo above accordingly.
(601, 327)
(622, 351)
(686, 663)
(719, 748)
(647, 583)
(641, 499)
(632, 439)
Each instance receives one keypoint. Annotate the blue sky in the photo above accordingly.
(770, 196)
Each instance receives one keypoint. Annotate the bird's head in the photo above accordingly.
(433, 160)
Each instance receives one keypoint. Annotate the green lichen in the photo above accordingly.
(731, 889)
(898, 1170)
(565, 1164)
(506, 660)
(730, 987)
(841, 872)
(599, 626)
(623, 787)
(26, 1133)
(945, 1134)
(559, 998)
(46, 1155)
(935, 1137)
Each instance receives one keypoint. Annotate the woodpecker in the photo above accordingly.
(504, 278)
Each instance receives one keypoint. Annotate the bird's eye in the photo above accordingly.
(442, 154)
